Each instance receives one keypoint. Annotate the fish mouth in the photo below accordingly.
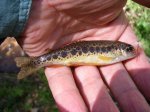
(132, 54)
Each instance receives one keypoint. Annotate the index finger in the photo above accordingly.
(64, 90)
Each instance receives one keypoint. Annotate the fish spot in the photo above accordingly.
(38, 62)
(55, 56)
(84, 49)
(44, 60)
(107, 49)
(73, 52)
(103, 49)
(80, 53)
(63, 54)
(94, 44)
(33, 62)
(49, 57)
(97, 49)
(78, 48)
(123, 46)
(91, 49)
(114, 47)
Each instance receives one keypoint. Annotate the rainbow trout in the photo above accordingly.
(100, 52)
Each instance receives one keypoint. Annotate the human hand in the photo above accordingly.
(53, 24)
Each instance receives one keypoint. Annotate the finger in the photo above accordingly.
(93, 89)
(123, 88)
(139, 67)
(64, 90)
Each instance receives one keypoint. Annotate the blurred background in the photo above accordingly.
(32, 94)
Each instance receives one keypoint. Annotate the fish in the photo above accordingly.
(96, 52)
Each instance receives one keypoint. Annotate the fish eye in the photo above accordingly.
(129, 48)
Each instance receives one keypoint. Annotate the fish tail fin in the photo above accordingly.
(22, 61)
(27, 68)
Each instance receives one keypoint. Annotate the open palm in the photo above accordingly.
(53, 24)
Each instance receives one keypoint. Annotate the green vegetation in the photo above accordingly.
(29, 94)
(33, 92)
(139, 18)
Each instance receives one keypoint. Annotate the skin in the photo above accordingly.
(52, 24)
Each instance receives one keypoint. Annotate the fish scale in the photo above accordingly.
(100, 52)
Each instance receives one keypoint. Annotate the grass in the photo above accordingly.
(33, 92)
(139, 19)
(26, 95)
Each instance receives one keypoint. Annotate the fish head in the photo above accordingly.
(127, 51)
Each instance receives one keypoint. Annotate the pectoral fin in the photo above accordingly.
(105, 58)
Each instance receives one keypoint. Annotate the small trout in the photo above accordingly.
(97, 53)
